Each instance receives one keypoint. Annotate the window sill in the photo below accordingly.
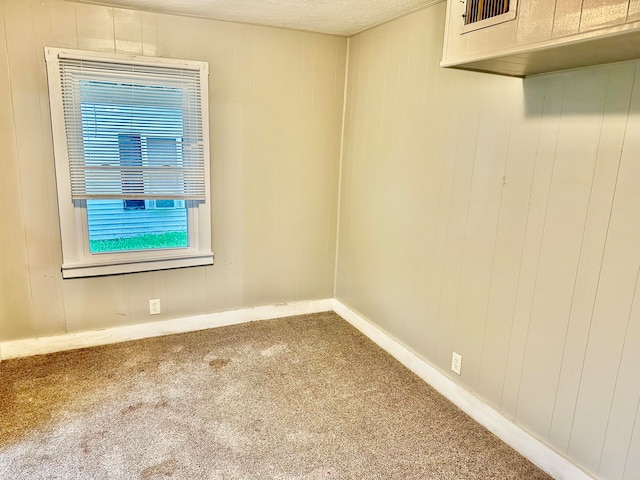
(79, 270)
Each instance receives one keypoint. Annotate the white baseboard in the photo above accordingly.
(71, 341)
(533, 449)
(530, 447)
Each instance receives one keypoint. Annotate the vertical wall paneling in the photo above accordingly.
(518, 227)
(510, 236)
(242, 150)
(364, 143)
(445, 180)
(63, 24)
(569, 195)
(148, 33)
(421, 77)
(491, 146)
(298, 70)
(387, 66)
(42, 36)
(16, 288)
(609, 153)
(531, 249)
(127, 28)
(172, 285)
(359, 107)
(263, 182)
(346, 206)
(632, 463)
(7, 300)
(98, 302)
(611, 313)
(225, 284)
(334, 220)
(23, 55)
(267, 177)
(626, 398)
(95, 27)
(320, 86)
(457, 213)
(339, 100)
(178, 37)
(412, 54)
(138, 292)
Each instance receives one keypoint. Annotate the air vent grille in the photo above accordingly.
(478, 10)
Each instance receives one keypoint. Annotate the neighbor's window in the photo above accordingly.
(132, 161)
(485, 13)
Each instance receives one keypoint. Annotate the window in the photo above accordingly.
(130, 150)
(485, 13)
(132, 161)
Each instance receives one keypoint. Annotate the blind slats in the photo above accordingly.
(134, 131)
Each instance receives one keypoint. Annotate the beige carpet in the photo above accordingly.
(296, 398)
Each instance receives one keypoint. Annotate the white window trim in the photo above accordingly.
(77, 259)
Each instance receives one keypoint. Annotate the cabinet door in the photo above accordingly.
(603, 13)
(634, 11)
(566, 20)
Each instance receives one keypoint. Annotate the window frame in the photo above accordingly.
(77, 261)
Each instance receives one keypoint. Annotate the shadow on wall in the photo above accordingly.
(606, 89)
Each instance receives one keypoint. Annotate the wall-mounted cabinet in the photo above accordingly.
(527, 37)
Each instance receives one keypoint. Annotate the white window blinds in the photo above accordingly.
(133, 131)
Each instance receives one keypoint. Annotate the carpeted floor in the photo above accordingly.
(296, 398)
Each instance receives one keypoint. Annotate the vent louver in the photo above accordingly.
(478, 10)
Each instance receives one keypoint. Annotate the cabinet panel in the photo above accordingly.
(566, 20)
(535, 21)
(633, 14)
(600, 13)
(553, 34)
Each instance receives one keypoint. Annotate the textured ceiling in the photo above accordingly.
(340, 17)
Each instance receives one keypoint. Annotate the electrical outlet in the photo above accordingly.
(154, 306)
(456, 363)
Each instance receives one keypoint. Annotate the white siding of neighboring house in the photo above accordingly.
(109, 219)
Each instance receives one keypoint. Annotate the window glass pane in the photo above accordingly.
(130, 148)
(114, 226)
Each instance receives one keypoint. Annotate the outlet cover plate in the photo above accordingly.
(456, 363)
(154, 306)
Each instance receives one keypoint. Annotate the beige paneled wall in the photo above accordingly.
(500, 219)
(276, 109)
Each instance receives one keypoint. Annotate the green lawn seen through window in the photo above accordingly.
(145, 241)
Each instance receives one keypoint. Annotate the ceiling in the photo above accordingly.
(339, 17)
